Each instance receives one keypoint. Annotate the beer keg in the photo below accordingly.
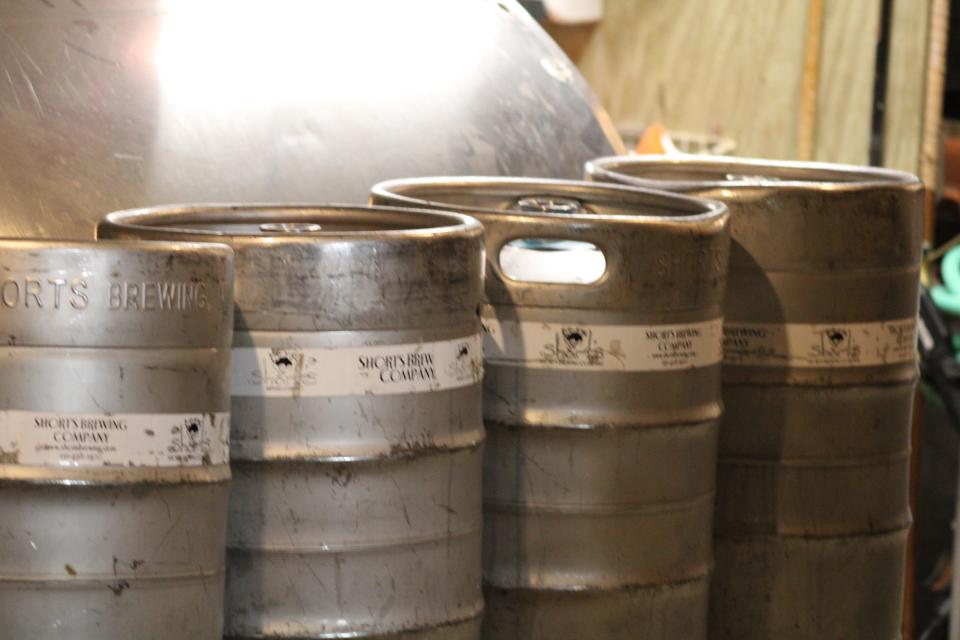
(357, 429)
(819, 370)
(114, 439)
(601, 400)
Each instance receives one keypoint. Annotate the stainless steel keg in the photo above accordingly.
(114, 439)
(819, 369)
(601, 402)
(357, 428)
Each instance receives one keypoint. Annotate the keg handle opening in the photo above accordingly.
(551, 260)
(550, 250)
(290, 227)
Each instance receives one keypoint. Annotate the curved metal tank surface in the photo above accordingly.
(356, 419)
(601, 403)
(819, 371)
(114, 439)
(113, 104)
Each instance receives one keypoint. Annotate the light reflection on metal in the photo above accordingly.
(109, 104)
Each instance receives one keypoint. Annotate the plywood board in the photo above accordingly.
(906, 80)
(845, 96)
(736, 68)
(731, 67)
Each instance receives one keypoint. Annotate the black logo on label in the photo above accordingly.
(282, 361)
(285, 369)
(187, 436)
(192, 431)
(574, 337)
(465, 365)
(837, 337)
(573, 346)
(836, 342)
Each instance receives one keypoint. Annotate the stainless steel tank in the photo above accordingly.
(601, 403)
(357, 428)
(148, 102)
(114, 439)
(819, 370)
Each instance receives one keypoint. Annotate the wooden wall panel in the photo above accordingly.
(731, 67)
(845, 100)
(906, 83)
(736, 68)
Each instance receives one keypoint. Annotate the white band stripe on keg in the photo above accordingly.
(579, 347)
(65, 439)
(862, 344)
(296, 371)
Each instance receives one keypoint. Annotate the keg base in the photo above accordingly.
(140, 560)
(468, 630)
(676, 611)
(124, 607)
(793, 588)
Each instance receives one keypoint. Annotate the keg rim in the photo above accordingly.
(191, 247)
(654, 205)
(163, 220)
(796, 175)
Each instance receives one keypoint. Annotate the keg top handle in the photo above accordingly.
(252, 223)
(706, 173)
(608, 216)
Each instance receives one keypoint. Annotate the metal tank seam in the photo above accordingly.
(97, 580)
(602, 590)
(396, 454)
(353, 547)
(839, 273)
(664, 506)
(92, 486)
(816, 463)
(852, 537)
(359, 635)
(517, 427)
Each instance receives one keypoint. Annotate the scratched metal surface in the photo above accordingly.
(111, 104)
(598, 484)
(813, 472)
(352, 514)
(125, 548)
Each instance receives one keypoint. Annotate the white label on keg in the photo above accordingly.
(51, 438)
(863, 344)
(292, 371)
(549, 345)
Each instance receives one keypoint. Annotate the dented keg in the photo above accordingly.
(114, 439)
(601, 402)
(819, 370)
(357, 428)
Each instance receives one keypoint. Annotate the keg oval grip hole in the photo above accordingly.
(289, 227)
(552, 261)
